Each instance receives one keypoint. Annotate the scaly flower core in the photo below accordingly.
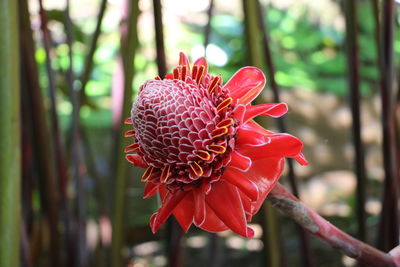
(210, 162)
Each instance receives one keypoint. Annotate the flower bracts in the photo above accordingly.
(210, 162)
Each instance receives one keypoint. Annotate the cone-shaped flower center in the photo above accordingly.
(184, 129)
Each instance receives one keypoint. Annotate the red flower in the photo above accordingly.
(210, 162)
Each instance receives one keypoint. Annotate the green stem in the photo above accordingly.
(252, 34)
(90, 55)
(207, 29)
(128, 47)
(271, 237)
(10, 169)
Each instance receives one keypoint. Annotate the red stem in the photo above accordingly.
(324, 230)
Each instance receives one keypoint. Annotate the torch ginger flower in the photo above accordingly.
(210, 162)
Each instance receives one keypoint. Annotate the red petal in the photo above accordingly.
(201, 62)
(239, 180)
(246, 84)
(257, 127)
(199, 207)
(240, 162)
(264, 173)
(163, 191)
(247, 206)
(277, 146)
(183, 60)
(251, 133)
(184, 212)
(169, 76)
(238, 113)
(270, 110)
(136, 160)
(150, 189)
(170, 201)
(224, 199)
(212, 223)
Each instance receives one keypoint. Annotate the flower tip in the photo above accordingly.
(185, 228)
(250, 232)
(150, 190)
(153, 225)
(183, 59)
(128, 120)
(246, 84)
(301, 159)
(136, 160)
(131, 147)
(199, 218)
(246, 232)
(276, 110)
(201, 62)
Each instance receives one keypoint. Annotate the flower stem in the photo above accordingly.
(325, 231)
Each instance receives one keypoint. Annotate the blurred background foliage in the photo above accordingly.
(307, 41)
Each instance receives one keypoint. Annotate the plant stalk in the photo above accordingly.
(122, 95)
(389, 218)
(282, 199)
(10, 143)
(273, 254)
(207, 29)
(80, 255)
(59, 151)
(89, 57)
(43, 153)
(161, 61)
(350, 8)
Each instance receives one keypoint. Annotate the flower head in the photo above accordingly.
(210, 162)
